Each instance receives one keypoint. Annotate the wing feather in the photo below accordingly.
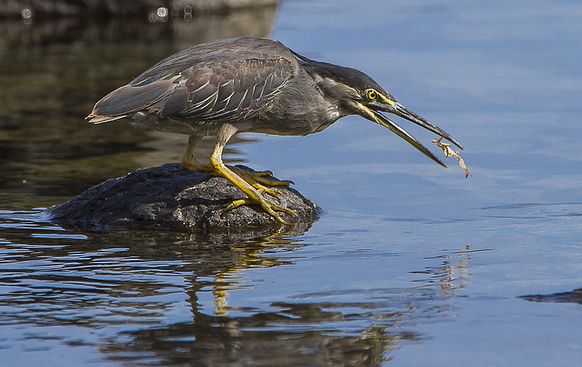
(205, 84)
(231, 90)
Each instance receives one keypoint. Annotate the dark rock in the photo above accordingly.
(171, 197)
(564, 297)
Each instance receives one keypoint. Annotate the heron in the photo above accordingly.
(251, 85)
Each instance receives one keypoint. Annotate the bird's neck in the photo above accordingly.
(332, 89)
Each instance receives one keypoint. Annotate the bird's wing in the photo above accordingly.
(227, 91)
(232, 90)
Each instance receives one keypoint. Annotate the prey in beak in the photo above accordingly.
(376, 102)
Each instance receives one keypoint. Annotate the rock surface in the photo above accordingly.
(564, 297)
(171, 197)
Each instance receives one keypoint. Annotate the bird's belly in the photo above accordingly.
(292, 125)
(186, 127)
(274, 124)
(286, 129)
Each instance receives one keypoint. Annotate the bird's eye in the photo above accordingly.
(371, 94)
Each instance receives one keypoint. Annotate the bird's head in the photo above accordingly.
(357, 93)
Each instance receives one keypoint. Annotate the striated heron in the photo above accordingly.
(251, 85)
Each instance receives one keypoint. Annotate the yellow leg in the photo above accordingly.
(254, 196)
(259, 180)
(189, 159)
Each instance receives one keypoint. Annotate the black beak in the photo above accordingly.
(405, 113)
(390, 125)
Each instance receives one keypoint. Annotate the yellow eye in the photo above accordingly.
(371, 94)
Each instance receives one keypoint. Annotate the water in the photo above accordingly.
(410, 265)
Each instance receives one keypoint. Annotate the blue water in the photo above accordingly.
(410, 265)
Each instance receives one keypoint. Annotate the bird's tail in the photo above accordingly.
(129, 99)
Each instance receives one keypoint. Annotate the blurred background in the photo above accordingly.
(59, 57)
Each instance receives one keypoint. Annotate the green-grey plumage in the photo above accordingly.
(228, 90)
(255, 85)
(345, 75)
(205, 84)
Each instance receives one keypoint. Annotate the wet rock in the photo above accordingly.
(171, 197)
(564, 297)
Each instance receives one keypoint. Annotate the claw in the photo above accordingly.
(235, 204)
(264, 173)
(262, 181)
(268, 206)
(263, 178)
(272, 181)
(262, 189)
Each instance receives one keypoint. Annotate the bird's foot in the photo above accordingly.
(268, 206)
(262, 181)
(253, 183)
(258, 184)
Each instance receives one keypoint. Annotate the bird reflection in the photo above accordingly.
(227, 279)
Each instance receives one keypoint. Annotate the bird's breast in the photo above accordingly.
(293, 122)
(297, 111)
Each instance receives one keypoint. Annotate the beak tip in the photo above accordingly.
(457, 144)
(407, 114)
